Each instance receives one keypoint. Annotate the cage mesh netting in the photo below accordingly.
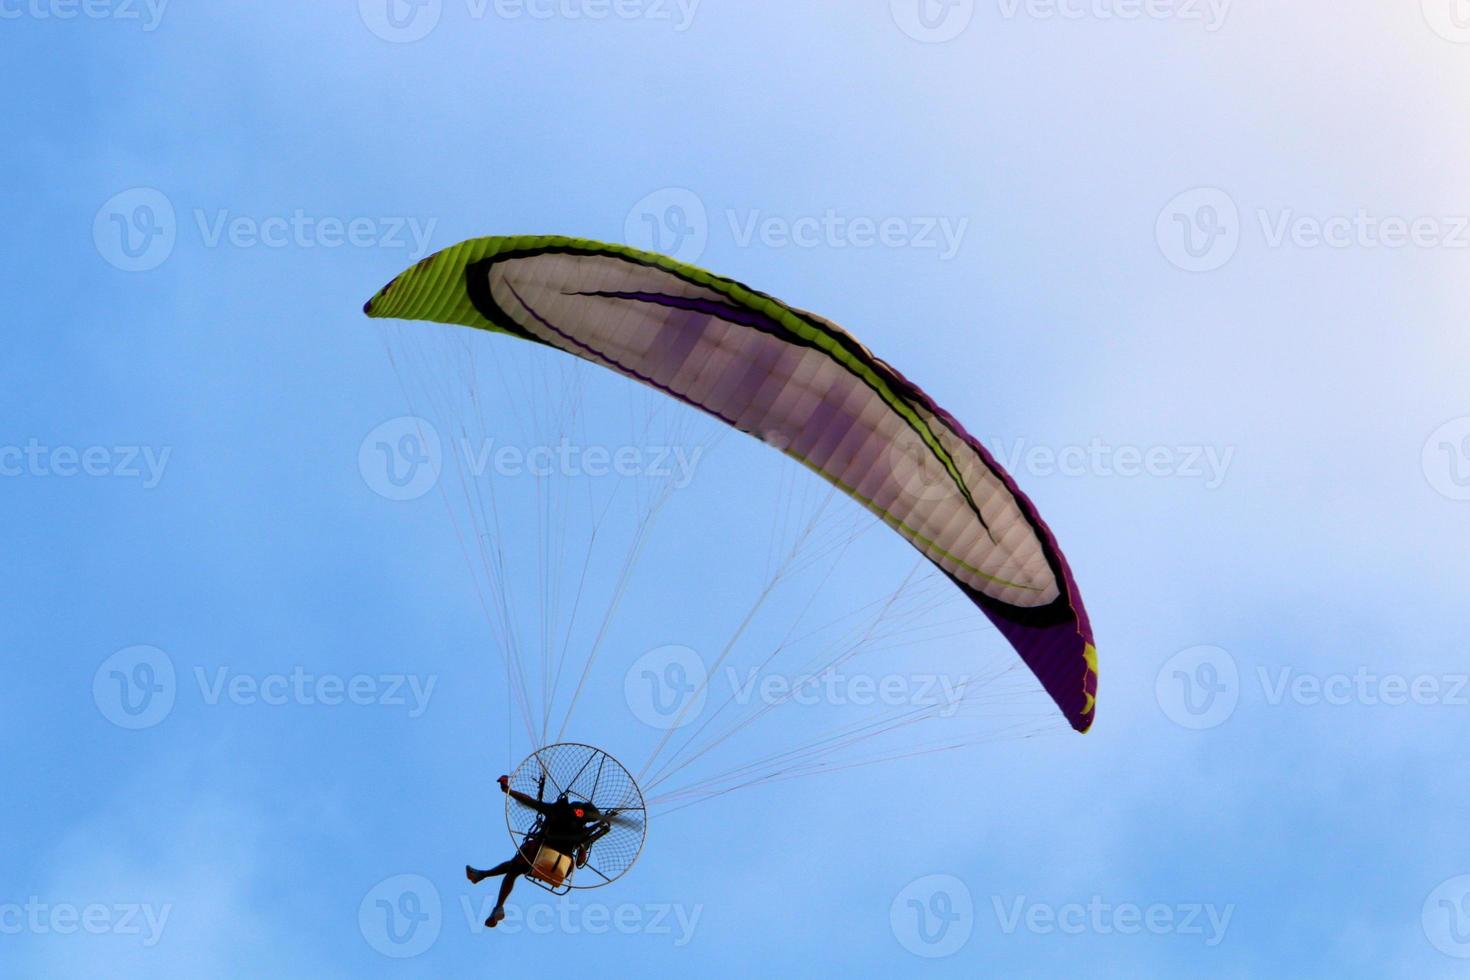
(588, 775)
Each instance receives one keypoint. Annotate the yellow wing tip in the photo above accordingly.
(1089, 654)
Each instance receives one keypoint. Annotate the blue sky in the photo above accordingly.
(1195, 270)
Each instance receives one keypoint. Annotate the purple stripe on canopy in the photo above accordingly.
(1052, 641)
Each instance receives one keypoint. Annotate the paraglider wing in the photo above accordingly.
(798, 382)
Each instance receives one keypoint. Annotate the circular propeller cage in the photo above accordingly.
(585, 774)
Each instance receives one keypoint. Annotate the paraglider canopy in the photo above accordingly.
(799, 383)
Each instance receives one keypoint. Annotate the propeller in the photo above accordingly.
(621, 818)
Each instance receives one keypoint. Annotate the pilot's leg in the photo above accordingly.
(505, 886)
(505, 867)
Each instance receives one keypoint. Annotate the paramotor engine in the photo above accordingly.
(570, 772)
